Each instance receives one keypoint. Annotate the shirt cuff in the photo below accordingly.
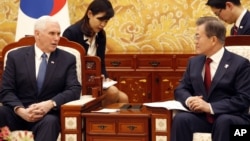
(15, 108)
(211, 109)
(186, 102)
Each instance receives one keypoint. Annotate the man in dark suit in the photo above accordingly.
(25, 106)
(232, 12)
(221, 101)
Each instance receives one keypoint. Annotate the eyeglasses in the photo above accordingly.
(197, 37)
(218, 13)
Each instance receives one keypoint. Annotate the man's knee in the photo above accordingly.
(227, 120)
(3, 115)
(183, 118)
(2, 119)
(50, 120)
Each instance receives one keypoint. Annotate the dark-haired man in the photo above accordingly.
(232, 12)
(215, 87)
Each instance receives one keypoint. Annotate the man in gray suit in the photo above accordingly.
(28, 106)
(220, 101)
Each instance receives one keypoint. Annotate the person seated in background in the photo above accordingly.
(232, 12)
(89, 32)
(32, 93)
(215, 87)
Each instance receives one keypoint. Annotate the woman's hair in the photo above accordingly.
(213, 27)
(97, 6)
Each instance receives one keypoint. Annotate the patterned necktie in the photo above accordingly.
(207, 83)
(207, 75)
(235, 30)
(41, 72)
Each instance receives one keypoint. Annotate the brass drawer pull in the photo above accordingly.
(115, 63)
(132, 128)
(102, 127)
(154, 63)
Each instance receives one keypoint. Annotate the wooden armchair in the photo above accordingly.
(85, 72)
(89, 75)
(240, 45)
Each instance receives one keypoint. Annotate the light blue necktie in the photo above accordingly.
(41, 72)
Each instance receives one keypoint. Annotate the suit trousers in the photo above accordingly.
(47, 129)
(185, 124)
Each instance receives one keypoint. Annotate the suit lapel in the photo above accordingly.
(200, 68)
(243, 23)
(30, 65)
(51, 67)
(222, 68)
(196, 70)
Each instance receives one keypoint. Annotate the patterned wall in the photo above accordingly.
(143, 26)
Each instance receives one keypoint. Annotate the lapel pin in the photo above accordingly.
(241, 27)
(226, 66)
(52, 62)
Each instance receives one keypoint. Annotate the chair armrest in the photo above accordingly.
(71, 120)
(97, 89)
(80, 102)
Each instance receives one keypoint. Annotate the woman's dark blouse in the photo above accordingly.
(74, 33)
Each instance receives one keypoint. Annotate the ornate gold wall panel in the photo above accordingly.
(145, 26)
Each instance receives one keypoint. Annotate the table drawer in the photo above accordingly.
(150, 62)
(116, 138)
(181, 61)
(106, 127)
(120, 61)
(135, 127)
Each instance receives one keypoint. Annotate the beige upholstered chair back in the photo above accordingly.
(239, 44)
(71, 47)
(86, 73)
(73, 51)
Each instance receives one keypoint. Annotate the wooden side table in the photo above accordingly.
(126, 125)
(71, 119)
(146, 124)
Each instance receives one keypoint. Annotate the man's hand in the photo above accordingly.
(29, 114)
(43, 107)
(197, 104)
(35, 111)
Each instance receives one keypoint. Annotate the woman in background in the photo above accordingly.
(89, 32)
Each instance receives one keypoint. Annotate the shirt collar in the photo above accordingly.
(218, 55)
(238, 21)
(38, 52)
(86, 38)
